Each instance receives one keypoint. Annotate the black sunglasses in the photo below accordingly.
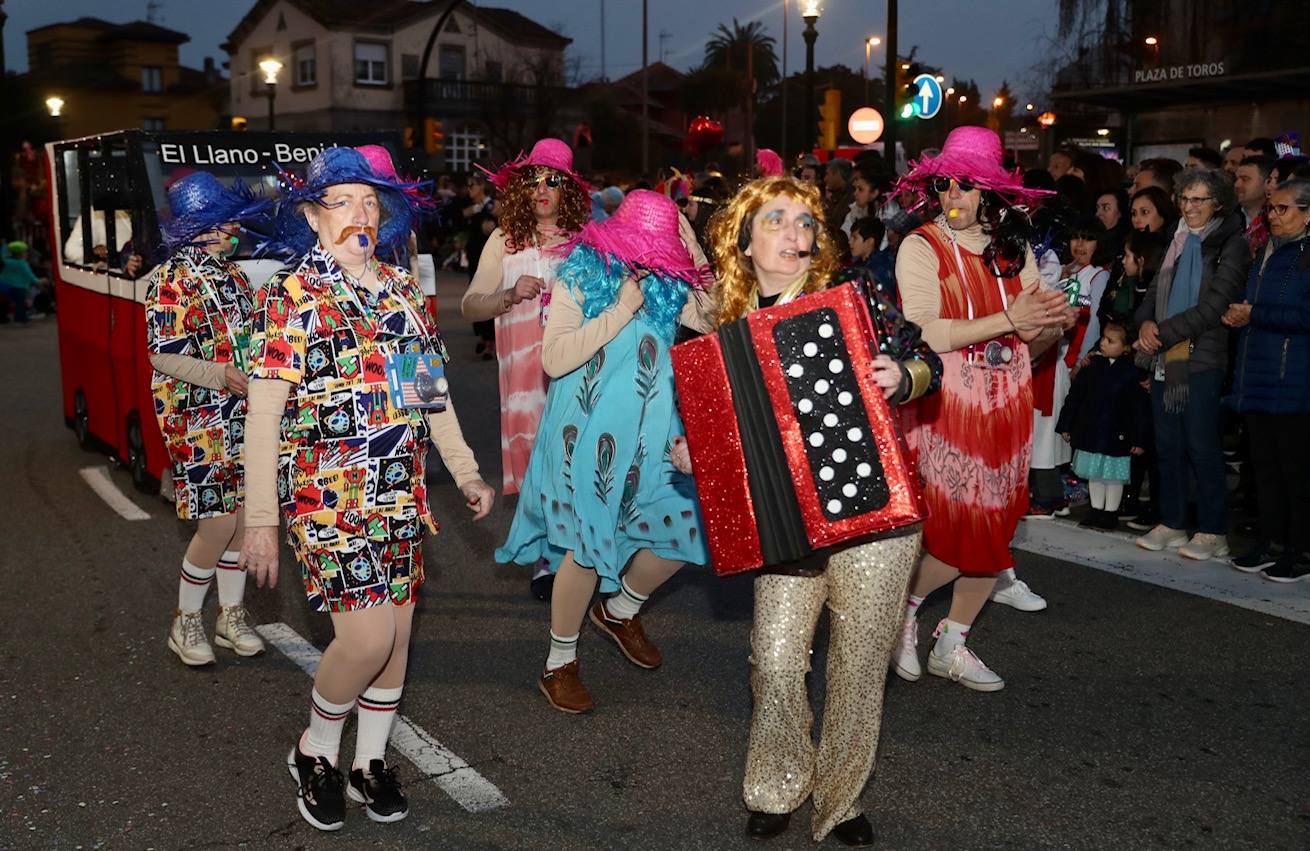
(552, 179)
(943, 184)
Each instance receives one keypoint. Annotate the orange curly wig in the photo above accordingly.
(518, 220)
(736, 273)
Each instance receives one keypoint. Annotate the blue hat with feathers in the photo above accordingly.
(292, 235)
(199, 204)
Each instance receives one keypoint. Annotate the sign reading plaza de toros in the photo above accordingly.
(1179, 72)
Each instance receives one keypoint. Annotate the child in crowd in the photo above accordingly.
(1106, 419)
(1142, 253)
(866, 240)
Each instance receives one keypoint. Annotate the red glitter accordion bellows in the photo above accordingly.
(793, 445)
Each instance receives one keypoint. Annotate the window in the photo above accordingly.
(450, 62)
(155, 124)
(306, 65)
(370, 63)
(152, 78)
(463, 148)
(494, 72)
(409, 66)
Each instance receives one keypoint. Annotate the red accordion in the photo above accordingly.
(794, 447)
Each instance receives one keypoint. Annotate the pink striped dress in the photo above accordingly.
(523, 382)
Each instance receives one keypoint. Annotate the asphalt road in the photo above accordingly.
(1134, 716)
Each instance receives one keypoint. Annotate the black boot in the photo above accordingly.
(1109, 521)
(855, 832)
(1092, 520)
(766, 825)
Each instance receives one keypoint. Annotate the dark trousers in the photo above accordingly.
(1046, 487)
(1280, 461)
(1189, 441)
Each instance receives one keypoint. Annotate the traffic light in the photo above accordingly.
(434, 141)
(409, 137)
(906, 106)
(238, 123)
(830, 112)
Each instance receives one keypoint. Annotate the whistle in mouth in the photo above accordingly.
(952, 213)
(363, 239)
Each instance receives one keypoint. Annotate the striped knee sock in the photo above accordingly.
(231, 580)
(192, 586)
(625, 604)
(563, 650)
(377, 712)
(326, 720)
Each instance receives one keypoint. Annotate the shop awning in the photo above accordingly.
(1139, 97)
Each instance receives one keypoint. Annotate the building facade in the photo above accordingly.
(1167, 75)
(121, 76)
(494, 78)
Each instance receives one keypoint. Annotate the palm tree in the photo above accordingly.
(742, 45)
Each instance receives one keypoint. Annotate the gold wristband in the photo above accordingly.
(920, 378)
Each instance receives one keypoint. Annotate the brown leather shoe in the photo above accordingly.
(628, 634)
(564, 689)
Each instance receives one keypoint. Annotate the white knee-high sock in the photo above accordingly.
(192, 586)
(1096, 490)
(326, 721)
(1114, 494)
(625, 604)
(377, 712)
(231, 580)
(912, 604)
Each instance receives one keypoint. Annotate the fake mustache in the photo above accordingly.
(365, 233)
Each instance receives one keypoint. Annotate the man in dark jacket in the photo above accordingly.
(1204, 271)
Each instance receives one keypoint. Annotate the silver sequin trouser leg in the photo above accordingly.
(864, 588)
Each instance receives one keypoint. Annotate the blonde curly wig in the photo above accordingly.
(729, 233)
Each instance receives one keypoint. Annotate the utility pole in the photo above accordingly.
(785, 4)
(750, 107)
(645, 98)
(889, 116)
(602, 41)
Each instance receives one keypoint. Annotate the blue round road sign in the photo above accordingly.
(927, 96)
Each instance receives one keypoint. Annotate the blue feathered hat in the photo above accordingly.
(293, 236)
(199, 204)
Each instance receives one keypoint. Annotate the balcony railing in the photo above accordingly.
(437, 93)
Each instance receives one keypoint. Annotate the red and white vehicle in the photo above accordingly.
(117, 182)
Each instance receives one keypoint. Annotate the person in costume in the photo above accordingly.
(542, 204)
(770, 246)
(968, 279)
(198, 307)
(349, 463)
(602, 500)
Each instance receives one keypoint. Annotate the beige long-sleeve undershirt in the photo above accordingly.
(197, 371)
(920, 287)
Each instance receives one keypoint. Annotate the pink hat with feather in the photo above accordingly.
(973, 155)
(548, 153)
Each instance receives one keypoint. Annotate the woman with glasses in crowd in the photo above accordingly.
(1179, 325)
(1271, 386)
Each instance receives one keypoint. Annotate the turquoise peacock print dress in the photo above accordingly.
(600, 481)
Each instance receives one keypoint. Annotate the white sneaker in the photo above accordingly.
(187, 639)
(234, 631)
(1204, 547)
(963, 667)
(1162, 538)
(1018, 595)
(905, 658)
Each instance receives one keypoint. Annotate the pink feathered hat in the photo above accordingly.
(550, 153)
(975, 155)
(644, 233)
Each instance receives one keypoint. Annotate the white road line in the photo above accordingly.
(98, 479)
(470, 789)
(1116, 553)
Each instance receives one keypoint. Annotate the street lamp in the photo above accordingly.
(963, 98)
(270, 66)
(1153, 43)
(810, 12)
(1029, 107)
(998, 102)
(55, 106)
(869, 43)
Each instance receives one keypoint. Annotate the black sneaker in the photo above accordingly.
(1144, 522)
(379, 792)
(1254, 561)
(1288, 568)
(320, 799)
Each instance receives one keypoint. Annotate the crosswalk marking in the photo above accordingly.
(453, 775)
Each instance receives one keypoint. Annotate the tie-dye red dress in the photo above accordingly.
(973, 440)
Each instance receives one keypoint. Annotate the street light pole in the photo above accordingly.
(889, 96)
(810, 13)
(869, 43)
(270, 66)
(645, 99)
(785, 4)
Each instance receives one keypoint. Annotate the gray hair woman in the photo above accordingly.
(1180, 327)
(1271, 385)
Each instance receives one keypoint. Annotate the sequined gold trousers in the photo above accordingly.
(864, 589)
